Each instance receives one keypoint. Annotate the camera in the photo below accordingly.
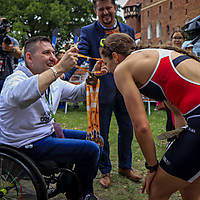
(192, 29)
(5, 61)
(3, 32)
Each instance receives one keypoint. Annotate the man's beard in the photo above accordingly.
(108, 22)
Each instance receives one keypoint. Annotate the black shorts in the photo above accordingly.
(182, 157)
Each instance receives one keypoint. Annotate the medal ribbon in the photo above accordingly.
(88, 58)
(49, 101)
(92, 102)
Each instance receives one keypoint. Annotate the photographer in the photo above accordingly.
(9, 51)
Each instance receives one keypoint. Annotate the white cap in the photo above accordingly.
(187, 44)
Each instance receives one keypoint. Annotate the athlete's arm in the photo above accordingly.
(135, 106)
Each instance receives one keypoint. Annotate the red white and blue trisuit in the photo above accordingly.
(166, 83)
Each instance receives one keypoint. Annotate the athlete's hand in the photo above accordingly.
(147, 182)
(100, 68)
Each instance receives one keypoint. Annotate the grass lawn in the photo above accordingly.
(121, 188)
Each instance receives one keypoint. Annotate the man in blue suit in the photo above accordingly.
(110, 99)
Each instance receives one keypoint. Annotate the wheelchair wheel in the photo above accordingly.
(19, 177)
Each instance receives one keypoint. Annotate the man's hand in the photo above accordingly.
(62, 76)
(10, 48)
(179, 119)
(69, 60)
(100, 68)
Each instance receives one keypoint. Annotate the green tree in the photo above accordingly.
(40, 17)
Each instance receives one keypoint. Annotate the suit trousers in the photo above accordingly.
(125, 134)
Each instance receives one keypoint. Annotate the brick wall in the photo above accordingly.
(172, 15)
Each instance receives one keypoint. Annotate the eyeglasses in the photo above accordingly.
(177, 38)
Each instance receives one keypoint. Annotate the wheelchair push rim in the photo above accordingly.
(19, 179)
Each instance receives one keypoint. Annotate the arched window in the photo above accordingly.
(168, 30)
(160, 9)
(149, 32)
(170, 5)
(158, 30)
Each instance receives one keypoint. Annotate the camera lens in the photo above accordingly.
(7, 40)
(5, 22)
(3, 26)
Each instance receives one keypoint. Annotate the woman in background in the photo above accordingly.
(178, 38)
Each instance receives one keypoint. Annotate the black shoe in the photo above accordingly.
(90, 197)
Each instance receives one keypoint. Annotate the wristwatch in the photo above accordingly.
(152, 168)
(54, 72)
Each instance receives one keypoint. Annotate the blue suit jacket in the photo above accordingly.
(89, 45)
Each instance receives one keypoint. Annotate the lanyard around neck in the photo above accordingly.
(49, 100)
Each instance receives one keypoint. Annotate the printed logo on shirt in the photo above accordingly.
(46, 117)
(166, 161)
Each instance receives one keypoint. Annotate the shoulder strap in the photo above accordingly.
(180, 59)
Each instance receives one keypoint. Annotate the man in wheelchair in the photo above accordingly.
(28, 102)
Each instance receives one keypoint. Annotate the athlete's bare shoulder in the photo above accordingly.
(139, 65)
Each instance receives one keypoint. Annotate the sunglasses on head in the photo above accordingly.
(101, 42)
(104, 46)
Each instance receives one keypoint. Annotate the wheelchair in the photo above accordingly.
(23, 179)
